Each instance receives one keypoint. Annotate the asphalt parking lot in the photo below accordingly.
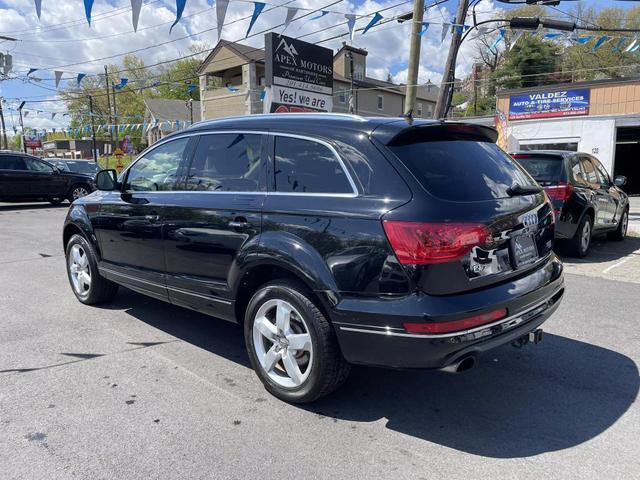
(142, 389)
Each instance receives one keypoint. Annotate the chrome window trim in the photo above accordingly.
(389, 330)
(343, 166)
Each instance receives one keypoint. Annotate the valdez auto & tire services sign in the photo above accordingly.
(298, 74)
(562, 103)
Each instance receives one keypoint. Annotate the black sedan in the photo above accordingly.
(585, 199)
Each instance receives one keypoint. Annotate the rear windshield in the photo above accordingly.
(83, 167)
(462, 170)
(542, 168)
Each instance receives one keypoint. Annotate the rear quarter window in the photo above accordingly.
(462, 170)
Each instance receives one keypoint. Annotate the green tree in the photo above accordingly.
(531, 62)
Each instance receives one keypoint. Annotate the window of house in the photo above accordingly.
(213, 81)
(158, 169)
(342, 96)
(305, 166)
(228, 162)
(419, 109)
(380, 102)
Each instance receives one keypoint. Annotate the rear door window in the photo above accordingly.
(543, 168)
(227, 162)
(462, 170)
(306, 166)
(12, 162)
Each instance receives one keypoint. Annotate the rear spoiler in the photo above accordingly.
(403, 133)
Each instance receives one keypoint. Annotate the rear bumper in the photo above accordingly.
(371, 333)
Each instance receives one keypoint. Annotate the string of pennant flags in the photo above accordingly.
(221, 13)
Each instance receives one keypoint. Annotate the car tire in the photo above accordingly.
(280, 315)
(77, 191)
(579, 245)
(87, 284)
(620, 233)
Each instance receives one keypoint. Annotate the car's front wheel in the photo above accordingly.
(86, 282)
(291, 344)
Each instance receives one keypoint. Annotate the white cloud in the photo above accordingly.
(62, 37)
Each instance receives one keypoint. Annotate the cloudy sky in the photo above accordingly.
(62, 39)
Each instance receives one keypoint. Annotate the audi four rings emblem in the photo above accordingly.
(529, 219)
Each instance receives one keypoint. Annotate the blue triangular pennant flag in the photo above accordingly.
(376, 18)
(600, 42)
(257, 10)
(179, 9)
(425, 27)
(80, 77)
(31, 70)
(88, 5)
(122, 84)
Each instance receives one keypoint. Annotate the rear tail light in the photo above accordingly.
(562, 191)
(421, 243)
(457, 325)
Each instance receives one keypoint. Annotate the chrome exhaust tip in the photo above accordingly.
(466, 363)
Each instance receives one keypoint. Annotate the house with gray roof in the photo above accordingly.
(163, 116)
(232, 78)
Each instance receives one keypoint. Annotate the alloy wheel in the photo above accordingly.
(79, 270)
(79, 192)
(585, 238)
(625, 223)
(282, 343)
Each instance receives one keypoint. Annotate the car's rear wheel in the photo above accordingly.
(581, 242)
(78, 191)
(291, 344)
(621, 232)
(86, 282)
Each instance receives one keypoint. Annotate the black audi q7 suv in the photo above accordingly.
(25, 178)
(585, 199)
(333, 239)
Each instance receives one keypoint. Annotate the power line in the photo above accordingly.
(257, 48)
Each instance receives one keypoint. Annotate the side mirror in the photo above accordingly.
(106, 180)
(56, 170)
(620, 181)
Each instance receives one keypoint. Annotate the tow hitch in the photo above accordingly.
(531, 337)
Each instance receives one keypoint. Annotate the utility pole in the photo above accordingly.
(190, 106)
(414, 58)
(4, 128)
(24, 145)
(444, 96)
(115, 116)
(93, 130)
(106, 78)
(351, 97)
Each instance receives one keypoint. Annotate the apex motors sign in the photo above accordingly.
(562, 103)
(298, 74)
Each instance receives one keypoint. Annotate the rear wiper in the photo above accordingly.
(517, 189)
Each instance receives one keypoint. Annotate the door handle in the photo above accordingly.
(152, 218)
(238, 223)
